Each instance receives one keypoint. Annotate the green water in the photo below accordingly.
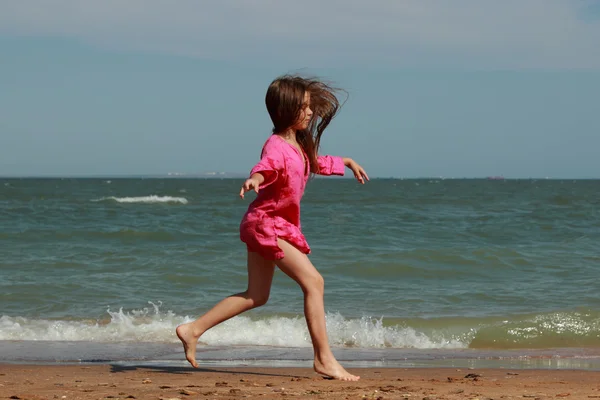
(408, 264)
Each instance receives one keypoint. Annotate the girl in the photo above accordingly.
(300, 110)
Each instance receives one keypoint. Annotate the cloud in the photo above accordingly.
(413, 33)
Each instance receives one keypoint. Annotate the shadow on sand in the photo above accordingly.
(189, 370)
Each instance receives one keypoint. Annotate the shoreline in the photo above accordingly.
(156, 354)
(34, 381)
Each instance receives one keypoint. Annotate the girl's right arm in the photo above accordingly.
(253, 182)
(268, 169)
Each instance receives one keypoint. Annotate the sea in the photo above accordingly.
(418, 272)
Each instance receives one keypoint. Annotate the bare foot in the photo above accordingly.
(185, 333)
(333, 370)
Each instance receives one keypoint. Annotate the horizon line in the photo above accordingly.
(240, 176)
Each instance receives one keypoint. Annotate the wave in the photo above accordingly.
(543, 331)
(146, 199)
(152, 325)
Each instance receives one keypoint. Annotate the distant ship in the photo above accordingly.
(496, 178)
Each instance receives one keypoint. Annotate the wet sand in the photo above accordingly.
(20, 381)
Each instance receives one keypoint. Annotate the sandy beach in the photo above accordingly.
(19, 381)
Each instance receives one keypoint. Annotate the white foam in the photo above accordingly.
(146, 199)
(152, 325)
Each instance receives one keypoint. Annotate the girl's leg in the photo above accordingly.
(297, 266)
(260, 276)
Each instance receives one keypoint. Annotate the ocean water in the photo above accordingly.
(415, 270)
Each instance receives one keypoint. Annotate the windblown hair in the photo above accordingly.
(284, 100)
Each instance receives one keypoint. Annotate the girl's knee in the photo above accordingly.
(257, 299)
(315, 283)
(261, 300)
(320, 281)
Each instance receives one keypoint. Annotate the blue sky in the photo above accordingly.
(461, 88)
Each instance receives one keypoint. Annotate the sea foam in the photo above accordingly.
(152, 325)
(145, 199)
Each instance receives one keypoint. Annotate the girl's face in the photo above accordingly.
(305, 114)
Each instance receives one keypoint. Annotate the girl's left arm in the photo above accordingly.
(359, 172)
(332, 165)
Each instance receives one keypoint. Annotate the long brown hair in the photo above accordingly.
(284, 100)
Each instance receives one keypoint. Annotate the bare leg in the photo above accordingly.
(297, 266)
(260, 276)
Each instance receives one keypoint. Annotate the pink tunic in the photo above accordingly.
(275, 213)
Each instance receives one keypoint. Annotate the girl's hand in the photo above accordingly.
(359, 172)
(251, 183)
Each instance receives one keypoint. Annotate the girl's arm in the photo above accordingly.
(333, 165)
(330, 165)
(359, 172)
(266, 171)
(252, 183)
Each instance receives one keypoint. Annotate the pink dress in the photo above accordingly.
(275, 213)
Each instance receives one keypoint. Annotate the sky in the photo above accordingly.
(436, 88)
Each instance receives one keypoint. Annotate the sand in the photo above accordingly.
(19, 381)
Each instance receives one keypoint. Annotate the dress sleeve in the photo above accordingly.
(331, 165)
(270, 166)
